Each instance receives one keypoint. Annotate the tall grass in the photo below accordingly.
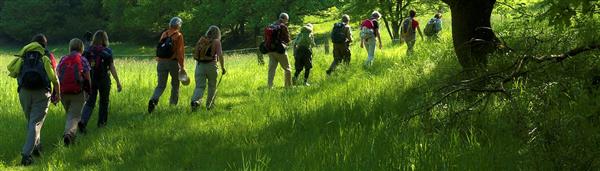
(350, 120)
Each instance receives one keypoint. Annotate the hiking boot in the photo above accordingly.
(68, 139)
(81, 128)
(328, 72)
(195, 106)
(37, 150)
(151, 105)
(26, 160)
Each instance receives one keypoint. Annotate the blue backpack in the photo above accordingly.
(32, 75)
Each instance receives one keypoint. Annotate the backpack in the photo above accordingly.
(430, 29)
(96, 56)
(70, 74)
(407, 28)
(337, 33)
(203, 51)
(271, 35)
(165, 49)
(367, 29)
(32, 75)
(304, 39)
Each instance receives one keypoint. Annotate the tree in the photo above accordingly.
(472, 35)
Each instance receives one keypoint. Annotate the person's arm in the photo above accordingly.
(420, 33)
(379, 39)
(113, 72)
(180, 52)
(53, 79)
(219, 54)
(348, 34)
(285, 35)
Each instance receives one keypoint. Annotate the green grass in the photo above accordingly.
(348, 121)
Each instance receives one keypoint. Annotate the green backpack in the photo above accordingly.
(304, 39)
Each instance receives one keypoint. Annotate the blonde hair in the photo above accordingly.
(76, 45)
(100, 38)
(213, 32)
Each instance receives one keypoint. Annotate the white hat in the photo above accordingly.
(185, 80)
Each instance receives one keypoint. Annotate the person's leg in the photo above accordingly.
(88, 109)
(174, 72)
(272, 68)
(347, 54)
(200, 77)
(163, 76)
(410, 46)
(337, 58)
(285, 65)
(307, 65)
(104, 102)
(75, 103)
(39, 100)
(297, 64)
(370, 51)
(212, 74)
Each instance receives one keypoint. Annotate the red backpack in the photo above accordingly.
(70, 74)
(368, 23)
(272, 37)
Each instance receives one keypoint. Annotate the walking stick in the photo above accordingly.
(215, 95)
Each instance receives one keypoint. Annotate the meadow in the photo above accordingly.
(354, 119)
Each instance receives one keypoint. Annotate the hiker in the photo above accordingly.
(370, 32)
(87, 38)
(410, 26)
(278, 37)
(34, 72)
(170, 57)
(101, 61)
(303, 45)
(433, 27)
(74, 76)
(208, 52)
(341, 36)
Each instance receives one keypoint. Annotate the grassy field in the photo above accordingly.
(351, 120)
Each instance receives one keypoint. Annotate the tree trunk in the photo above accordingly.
(472, 35)
(396, 30)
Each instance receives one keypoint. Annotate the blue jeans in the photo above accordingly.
(99, 87)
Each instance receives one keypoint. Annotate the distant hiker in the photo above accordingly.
(303, 45)
(101, 61)
(170, 57)
(74, 76)
(34, 73)
(410, 26)
(341, 36)
(369, 32)
(433, 27)
(277, 38)
(207, 53)
(87, 39)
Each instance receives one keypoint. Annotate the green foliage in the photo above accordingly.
(60, 20)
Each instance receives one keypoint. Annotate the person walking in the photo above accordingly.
(74, 76)
(410, 26)
(303, 54)
(102, 63)
(208, 52)
(434, 27)
(35, 76)
(170, 57)
(370, 36)
(341, 36)
(278, 55)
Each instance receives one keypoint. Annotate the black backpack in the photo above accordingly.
(337, 34)
(164, 49)
(32, 75)
(97, 57)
